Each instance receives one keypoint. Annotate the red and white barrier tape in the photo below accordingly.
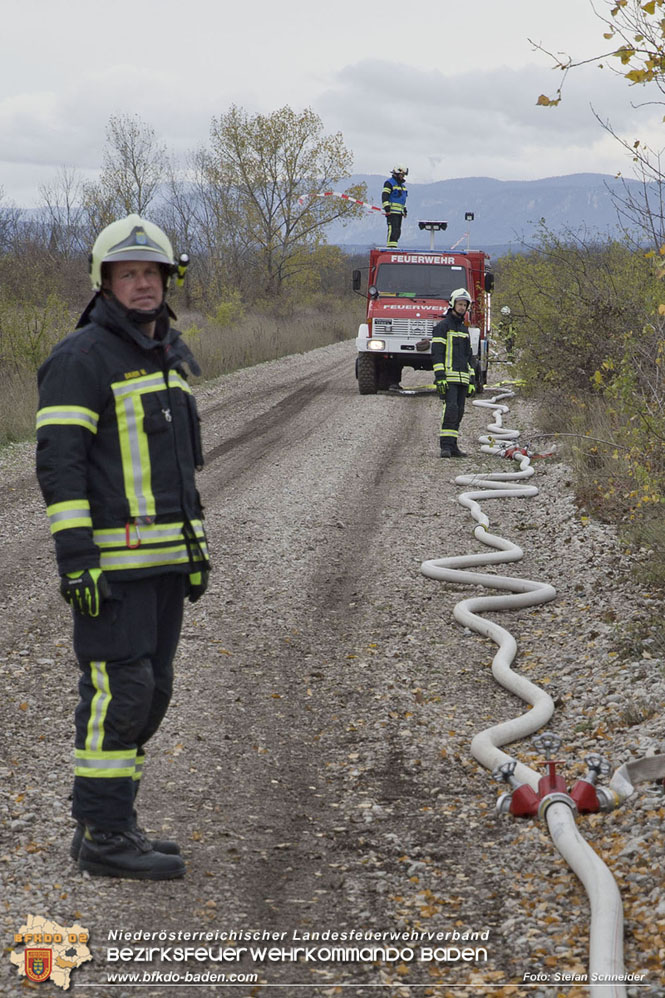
(345, 197)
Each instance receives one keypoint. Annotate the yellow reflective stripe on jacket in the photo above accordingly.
(176, 380)
(150, 558)
(67, 415)
(137, 386)
(104, 765)
(73, 513)
(134, 450)
(147, 534)
(456, 377)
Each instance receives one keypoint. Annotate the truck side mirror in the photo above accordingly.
(356, 280)
(372, 291)
(489, 281)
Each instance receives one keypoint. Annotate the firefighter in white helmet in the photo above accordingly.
(393, 200)
(118, 445)
(452, 358)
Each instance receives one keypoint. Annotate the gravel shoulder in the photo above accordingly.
(315, 761)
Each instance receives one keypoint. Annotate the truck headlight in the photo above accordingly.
(374, 344)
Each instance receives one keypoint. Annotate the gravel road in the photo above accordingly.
(315, 764)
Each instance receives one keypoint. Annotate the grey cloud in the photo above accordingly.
(481, 122)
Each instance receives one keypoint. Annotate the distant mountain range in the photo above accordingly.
(506, 212)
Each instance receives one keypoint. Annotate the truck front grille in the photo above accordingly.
(412, 327)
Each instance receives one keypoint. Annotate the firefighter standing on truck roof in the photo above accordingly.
(118, 444)
(452, 358)
(393, 199)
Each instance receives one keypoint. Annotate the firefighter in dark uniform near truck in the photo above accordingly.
(118, 444)
(452, 358)
(393, 200)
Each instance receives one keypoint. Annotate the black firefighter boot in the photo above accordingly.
(456, 452)
(446, 450)
(159, 845)
(128, 855)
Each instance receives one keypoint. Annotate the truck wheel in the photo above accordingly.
(367, 374)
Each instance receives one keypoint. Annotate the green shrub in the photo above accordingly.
(28, 332)
(230, 310)
(572, 304)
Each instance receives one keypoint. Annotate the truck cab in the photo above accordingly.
(408, 292)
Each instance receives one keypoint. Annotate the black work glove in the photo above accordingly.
(441, 387)
(198, 583)
(85, 591)
(405, 213)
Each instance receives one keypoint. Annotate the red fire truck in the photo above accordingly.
(407, 294)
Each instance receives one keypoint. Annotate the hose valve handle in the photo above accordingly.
(598, 766)
(505, 771)
(547, 742)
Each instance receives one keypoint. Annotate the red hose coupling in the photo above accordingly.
(585, 797)
(551, 782)
(524, 802)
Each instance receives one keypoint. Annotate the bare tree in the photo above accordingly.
(10, 222)
(134, 168)
(63, 216)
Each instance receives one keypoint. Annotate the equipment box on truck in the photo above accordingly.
(407, 294)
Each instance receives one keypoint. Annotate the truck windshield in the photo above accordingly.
(422, 280)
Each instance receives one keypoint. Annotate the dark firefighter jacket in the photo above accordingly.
(452, 355)
(393, 196)
(118, 444)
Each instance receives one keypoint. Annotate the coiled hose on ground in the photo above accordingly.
(559, 809)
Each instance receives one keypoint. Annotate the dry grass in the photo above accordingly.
(607, 478)
(258, 337)
(18, 404)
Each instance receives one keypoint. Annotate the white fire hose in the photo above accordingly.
(606, 972)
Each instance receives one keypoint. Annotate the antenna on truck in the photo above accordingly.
(432, 227)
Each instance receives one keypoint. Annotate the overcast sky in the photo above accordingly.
(447, 87)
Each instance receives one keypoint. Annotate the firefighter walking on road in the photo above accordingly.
(118, 444)
(393, 200)
(452, 358)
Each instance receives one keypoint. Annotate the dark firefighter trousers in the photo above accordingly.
(453, 410)
(394, 220)
(126, 660)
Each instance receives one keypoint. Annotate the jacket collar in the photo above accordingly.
(105, 312)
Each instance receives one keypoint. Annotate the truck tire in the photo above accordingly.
(367, 374)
